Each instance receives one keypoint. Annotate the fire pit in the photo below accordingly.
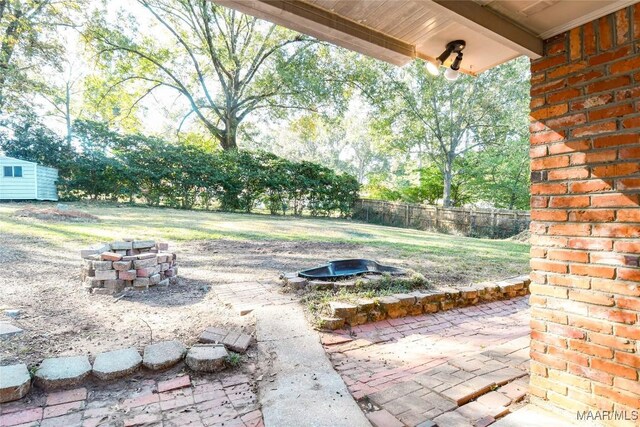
(348, 268)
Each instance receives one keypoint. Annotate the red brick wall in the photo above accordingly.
(585, 162)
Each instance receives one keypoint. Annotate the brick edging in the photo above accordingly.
(421, 302)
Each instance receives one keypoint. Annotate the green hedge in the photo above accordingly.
(103, 164)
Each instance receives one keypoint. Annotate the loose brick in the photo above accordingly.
(110, 256)
(122, 265)
(127, 275)
(106, 274)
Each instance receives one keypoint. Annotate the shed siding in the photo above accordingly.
(36, 183)
(47, 178)
(12, 188)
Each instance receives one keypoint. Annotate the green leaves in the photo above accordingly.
(448, 129)
(224, 64)
(115, 166)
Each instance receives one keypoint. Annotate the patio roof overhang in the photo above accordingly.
(398, 31)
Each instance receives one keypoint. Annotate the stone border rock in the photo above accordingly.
(61, 372)
(421, 302)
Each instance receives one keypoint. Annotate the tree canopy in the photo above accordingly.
(112, 85)
(224, 64)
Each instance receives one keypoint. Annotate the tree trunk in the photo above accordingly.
(512, 200)
(228, 140)
(6, 52)
(448, 178)
(68, 113)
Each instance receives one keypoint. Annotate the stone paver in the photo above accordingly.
(452, 419)
(7, 330)
(430, 366)
(116, 364)
(58, 372)
(494, 399)
(163, 355)
(207, 357)
(169, 400)
(234, 341)
(15, 382)
(383, 419)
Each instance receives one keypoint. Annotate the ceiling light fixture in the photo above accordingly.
(452, 73)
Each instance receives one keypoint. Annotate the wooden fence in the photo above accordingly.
(493, 223)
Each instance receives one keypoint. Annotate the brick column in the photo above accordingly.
(585, 162)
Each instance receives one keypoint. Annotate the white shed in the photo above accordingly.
(22, 180)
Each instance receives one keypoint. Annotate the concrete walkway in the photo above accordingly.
(299, 386)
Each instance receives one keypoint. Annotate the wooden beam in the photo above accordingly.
(328, 26)
(495, 26)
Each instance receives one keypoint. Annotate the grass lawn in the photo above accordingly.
(442, 258)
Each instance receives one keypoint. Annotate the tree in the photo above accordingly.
(32, 141)
(443, 120)
(28, 42)
(501, 174)
(226, 65)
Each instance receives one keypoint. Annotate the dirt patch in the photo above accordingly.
(42, 279)
(55, 214)
(523, 237)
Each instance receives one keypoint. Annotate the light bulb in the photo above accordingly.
(433, 68)
(451, 74)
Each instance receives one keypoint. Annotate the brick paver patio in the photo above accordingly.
(460, 367)
(463, 367)
(174, 400)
